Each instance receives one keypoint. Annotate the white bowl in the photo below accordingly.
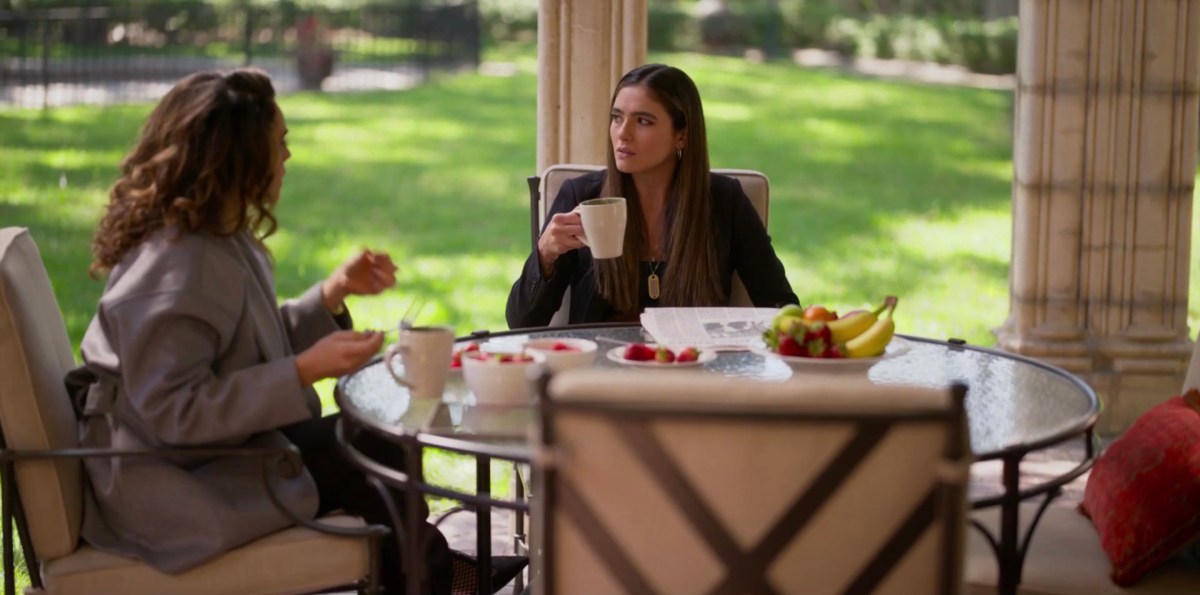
(583, 356)
(501, 383)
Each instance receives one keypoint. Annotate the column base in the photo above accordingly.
(1129, 376)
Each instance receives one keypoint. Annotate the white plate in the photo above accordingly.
(617, 354)
(896, 347)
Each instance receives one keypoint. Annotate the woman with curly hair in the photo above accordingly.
(190, 347)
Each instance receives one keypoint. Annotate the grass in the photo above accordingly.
(877, 188)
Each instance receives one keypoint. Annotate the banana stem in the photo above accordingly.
(889, 303)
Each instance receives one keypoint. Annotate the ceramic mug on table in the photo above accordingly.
(603, 226)
(426, 352)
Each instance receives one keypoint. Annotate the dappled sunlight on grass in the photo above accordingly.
(860, 171)
(727, 112)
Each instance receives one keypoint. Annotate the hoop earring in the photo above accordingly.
(678, 154)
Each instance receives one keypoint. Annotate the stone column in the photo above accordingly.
(584, 47)
(1104, 167)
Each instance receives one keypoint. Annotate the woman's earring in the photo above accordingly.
(678, 154)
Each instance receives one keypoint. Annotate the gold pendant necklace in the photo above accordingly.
(652, 287)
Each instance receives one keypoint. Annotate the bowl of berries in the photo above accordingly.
(650, 355)
(457, 358)
(501, 378)
(565, 353)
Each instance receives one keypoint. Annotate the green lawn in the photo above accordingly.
(877, 188)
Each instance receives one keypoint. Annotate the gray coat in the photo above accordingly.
(191, 348)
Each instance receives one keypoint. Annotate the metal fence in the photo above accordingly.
(133, 50)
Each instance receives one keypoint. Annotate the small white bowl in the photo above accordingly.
(584, 353)
(501, 383)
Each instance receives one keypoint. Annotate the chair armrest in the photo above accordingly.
(287, 461)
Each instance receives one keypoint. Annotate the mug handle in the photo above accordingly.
(394, 350)
(581, 237)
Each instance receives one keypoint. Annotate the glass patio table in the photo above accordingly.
(1015, 405)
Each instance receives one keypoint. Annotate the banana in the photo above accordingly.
(874, 340)
(844, 329)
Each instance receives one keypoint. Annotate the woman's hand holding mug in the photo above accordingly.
(560, 236)
(601, 219)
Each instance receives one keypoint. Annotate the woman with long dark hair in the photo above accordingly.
(189, 346)
(688, 230)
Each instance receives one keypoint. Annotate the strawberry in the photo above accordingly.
(817, 339)
(560, 346)
(789, 346)
(664, 356)
(456, 360)
(832, 351)
(689, 354)
(639, 352)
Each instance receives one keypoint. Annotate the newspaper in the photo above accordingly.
(726, 329)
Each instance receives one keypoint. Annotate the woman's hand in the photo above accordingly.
(366, 273)
(337, 354)
(560, 236)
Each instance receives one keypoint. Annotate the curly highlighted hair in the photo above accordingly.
(205, 162)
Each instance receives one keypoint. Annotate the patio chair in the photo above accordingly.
(543, 189)
(669, 482)
(43, 478)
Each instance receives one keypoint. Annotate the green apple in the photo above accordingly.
(788, 325)
(788, 311)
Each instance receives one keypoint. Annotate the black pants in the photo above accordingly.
(342, 487)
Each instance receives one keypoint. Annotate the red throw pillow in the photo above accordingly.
(1143, 494)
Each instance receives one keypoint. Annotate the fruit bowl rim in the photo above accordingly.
(897, 346)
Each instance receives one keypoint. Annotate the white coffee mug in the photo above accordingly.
(603, 226)
(426, 352)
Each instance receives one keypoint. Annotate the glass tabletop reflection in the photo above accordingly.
(1013, 403)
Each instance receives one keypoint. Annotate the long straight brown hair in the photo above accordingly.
(691, 277)
(205, 152)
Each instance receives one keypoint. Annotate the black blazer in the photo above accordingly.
(742, 246)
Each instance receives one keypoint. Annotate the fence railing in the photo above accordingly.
(133, 50)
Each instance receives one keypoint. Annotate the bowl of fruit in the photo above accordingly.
(650, 355)
(501, 378)
(565, 353)
(816, 337)
(457, 359)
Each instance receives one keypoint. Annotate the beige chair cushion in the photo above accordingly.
(1065, 558)
(35, 355)
(295, 560)
(748, 473)
(754, 183)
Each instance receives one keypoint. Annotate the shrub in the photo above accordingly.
(508, 20)
(670, 28)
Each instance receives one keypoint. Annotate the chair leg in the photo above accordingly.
(374, 564)
(10, 586)
(519, 538)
